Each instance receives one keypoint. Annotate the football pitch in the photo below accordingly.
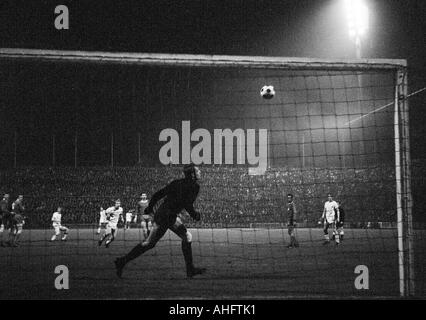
(241, 264)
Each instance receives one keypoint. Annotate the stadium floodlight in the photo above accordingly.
(357, 14)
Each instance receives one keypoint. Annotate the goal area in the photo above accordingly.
(81, 129)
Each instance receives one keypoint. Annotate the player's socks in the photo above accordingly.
(108, 242)
(102, 239)
(337, 239)
(326, 239)
(187, 254)
(133, 254)
(53, 238)
(119, 265)
(294, 242)
(99, 231)
(17, 237)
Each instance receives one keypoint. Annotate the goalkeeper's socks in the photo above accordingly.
(187, 253)
(134, 253)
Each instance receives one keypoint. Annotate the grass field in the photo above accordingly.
(242, 263)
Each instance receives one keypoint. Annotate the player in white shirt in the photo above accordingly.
(57, 226)
(129, 218)
(330, 217)
(102, 220)
(114, 214)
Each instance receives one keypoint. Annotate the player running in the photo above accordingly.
(114, 214)
(4, 216)
(291, 215)
(16, 221)
(58, 227)
(16, 225)
(330, 217)
(178, 195)
(146, 219)
(102, 220)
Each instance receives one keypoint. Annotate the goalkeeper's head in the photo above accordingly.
(191, 171)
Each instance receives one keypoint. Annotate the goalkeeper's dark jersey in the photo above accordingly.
(178, 195)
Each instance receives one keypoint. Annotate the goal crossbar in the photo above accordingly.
(203, 60)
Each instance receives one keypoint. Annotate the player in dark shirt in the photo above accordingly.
(146, 219)
(339, 224)
(291, 225)
(16, 221)
(178, 195)
(16, 225)
(4, 216)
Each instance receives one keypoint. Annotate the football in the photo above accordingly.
(267, 92)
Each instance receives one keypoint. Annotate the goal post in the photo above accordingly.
(336, 126)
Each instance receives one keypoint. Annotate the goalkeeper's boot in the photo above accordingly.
(191, 272)
(119, 266)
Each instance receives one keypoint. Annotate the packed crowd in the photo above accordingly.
(228, 195)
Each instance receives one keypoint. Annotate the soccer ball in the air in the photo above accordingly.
(267, 92)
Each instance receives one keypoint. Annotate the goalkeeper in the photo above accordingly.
(178, 195)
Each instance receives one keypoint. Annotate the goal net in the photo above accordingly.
(81, 129)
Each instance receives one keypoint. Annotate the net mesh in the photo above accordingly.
(80, 135)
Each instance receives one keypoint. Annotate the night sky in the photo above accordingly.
(299, 28)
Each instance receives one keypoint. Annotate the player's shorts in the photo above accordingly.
(111, 227)
(129, 220)
(330, 219)
(58, 228)
(146, 217)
